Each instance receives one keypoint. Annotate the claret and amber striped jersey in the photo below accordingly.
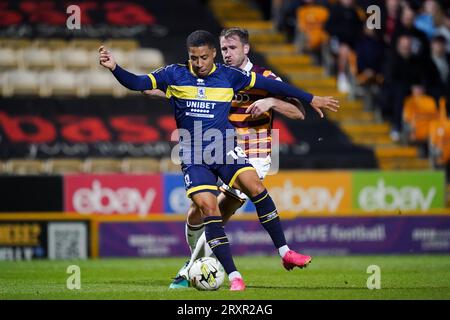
(254, 133)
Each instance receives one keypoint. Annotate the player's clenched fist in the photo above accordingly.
(106, 58)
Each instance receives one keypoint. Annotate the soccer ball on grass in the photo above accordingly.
(206, 274)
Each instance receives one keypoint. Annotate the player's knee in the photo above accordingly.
(209, 208)
(258, 188)
(194, 215)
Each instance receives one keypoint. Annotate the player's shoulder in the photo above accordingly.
(171, 67)
(265, 72)
(232, 70)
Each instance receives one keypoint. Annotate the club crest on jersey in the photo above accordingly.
(201, 93)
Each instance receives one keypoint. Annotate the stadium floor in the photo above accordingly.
(402, 277)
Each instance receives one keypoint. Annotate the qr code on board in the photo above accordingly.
(67, 241)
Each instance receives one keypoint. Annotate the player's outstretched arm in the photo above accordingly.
(292, 108)
(284, 89)
(155, 94)
(127, 79)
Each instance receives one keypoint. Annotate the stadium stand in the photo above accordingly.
(59, 68)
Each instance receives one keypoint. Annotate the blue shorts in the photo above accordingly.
(203, 177)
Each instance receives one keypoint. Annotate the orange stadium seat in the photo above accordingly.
(310, 24)
(439, 139)
(418, 113)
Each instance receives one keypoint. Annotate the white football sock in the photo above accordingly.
(193, 233)
(283, 250)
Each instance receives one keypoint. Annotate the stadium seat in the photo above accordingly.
(60, 82)
(75, 58)
(63, 166)
(20, 82)
(418, 113)
(102, 165)
(147, 59)
(8, 59)
(100, 82)
(122, 44)
(38, 58)
(140, 165)
(24, 167)
(14, 43)
(439, 138)
(310, 26)
(86, 44)
(51, 44)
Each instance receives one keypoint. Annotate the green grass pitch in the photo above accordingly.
(402, 277)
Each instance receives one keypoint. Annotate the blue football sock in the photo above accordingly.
(268, 217)
(218, 241)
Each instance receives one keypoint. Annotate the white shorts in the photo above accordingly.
(262, 166)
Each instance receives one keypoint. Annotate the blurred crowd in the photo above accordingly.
(409, 54)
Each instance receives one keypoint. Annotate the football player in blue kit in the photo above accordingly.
(201, 93)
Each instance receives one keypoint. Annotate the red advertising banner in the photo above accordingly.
(114, 194)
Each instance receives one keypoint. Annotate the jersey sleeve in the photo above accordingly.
(160, 78)
(240, 79)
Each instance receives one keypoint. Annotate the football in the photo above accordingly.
(206, 274)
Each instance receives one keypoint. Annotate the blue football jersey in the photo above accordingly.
(201, 105)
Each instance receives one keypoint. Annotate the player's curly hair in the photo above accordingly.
(241, 33)
(200, 38)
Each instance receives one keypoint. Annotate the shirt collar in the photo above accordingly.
(248, 66)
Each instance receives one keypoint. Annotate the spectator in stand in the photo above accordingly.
(370, 56)
(439, 69)
(430, 17)
(285, 14)
(390, 18)
(419, 40)
(444, 30)
(403, 74)
(344, 26)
